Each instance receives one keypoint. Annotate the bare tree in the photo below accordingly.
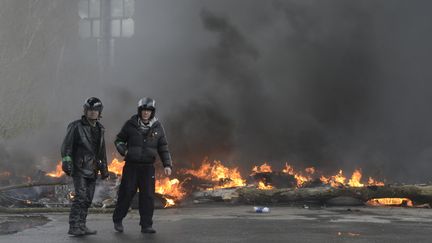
(33, 35)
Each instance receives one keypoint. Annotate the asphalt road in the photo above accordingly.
(219, 223)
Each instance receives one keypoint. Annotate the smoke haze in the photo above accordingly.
(332, 84)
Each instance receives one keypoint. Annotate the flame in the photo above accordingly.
(390, 202)
(264, 168)
(335, 181)
(169, 203)
(217, 172)
(263, 186)
(288, 169)
(58, 172)
(223, 177)
(338, 179)
(301, 179)
(116, 167)
(373, 182)
(355, 179)
(170, 188)
(310, 170)
(226, 177)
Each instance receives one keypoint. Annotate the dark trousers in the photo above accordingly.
(135, 177)
(84, 192)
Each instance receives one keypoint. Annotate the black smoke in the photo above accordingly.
(332, 84)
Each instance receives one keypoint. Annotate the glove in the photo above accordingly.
(103, 169)
(67, 166)
(104, 175)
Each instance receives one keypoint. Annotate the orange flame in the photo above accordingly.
(58, 172)
(288, 169)
(390, 202)
(116, 167)
(310, 170)
(335, 181)
(217, 172)
(171, 188)
(338, 179)
(355, 179)
(169, 203)
(301, 179)
(264, 168)
(263, 186)
(373, 182)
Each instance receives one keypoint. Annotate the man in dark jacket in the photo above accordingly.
(140, 140)
(83, 156)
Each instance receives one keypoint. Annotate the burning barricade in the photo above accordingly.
(213, 181)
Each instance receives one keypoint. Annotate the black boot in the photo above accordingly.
(76, 231)
(118, 226)
(88, 231)
(148, 230)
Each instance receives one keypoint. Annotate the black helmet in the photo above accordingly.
(93, 103)
(147, 104)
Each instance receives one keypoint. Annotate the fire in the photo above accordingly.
(224, 177)
(58, 172)
(217, 172)
(263, 186)
(264, 168)
(310, 170)
(169, 203)
(288, 169)
(171, 188)
(301, 179)
(390, 202)
(373, 182)
(338, 179)
(116, 167)
(335, 181)
(355, 179)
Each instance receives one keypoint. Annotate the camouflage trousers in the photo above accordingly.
(84, 191)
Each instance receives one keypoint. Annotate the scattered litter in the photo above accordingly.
(262, 210)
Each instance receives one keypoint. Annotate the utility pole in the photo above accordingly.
(106, 40)
(105, 21)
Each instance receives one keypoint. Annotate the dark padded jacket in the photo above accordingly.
(77, 147)
(143, 147)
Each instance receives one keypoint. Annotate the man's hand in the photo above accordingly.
(121, 148)
(67, 167)
(104, 175)
(103, 169)
(167, 171)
